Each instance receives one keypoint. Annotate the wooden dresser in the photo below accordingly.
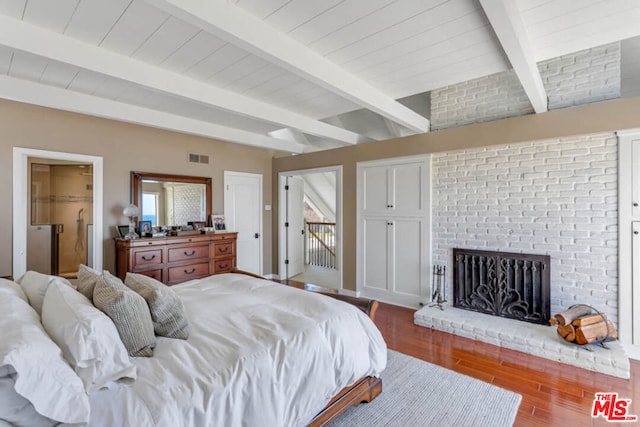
(173, 260)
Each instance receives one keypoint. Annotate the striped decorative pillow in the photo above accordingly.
(167, 311)
(129, 312)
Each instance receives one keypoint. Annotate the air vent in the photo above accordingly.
(198, 158)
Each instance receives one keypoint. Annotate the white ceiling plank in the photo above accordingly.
(256, 78)
(261, 8)
(52, 15)
(169, 37)
(13, 8)
(469, 29)
(212, 63)
(93, 19)
(28, 38)
(296, 13)
(457, 47)
(423, 24)
(336, 18)
(87, 82)
(130, 32)
(508, 26)
(192, 52)
(234, 25)
(47, 96)
(237, 70)
(612, 27)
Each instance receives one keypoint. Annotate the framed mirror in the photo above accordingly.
(171, 200)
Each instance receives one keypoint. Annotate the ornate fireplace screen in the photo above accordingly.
(502, 284)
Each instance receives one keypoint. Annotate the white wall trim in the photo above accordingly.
(627, 324)
(227, 176)
(20, 180)
(282, 207)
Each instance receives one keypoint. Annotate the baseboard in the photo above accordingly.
(272, 276)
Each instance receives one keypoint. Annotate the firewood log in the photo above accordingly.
(553, 321)
(567, 316)
(589, 320)
(596, 331)
(567, 332)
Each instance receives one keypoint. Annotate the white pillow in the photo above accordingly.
(9, 287)
(35, 286)
(88, 338)
(16, 409)
(42, 377)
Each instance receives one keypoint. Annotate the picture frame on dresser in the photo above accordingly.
(218, 223)
(122, 230)
(145, 228)
(197, 225)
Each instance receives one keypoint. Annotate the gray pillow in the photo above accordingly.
(87, 278)
(129, 312)
(167, 311)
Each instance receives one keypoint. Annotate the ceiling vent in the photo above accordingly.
(198, 158)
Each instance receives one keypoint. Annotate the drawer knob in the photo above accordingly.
(193, 270)
(144, 258)
(193, 252)
(223, 265)
(225, 249)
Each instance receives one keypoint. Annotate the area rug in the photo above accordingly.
(417, 393)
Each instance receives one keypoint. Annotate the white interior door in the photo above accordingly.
(295, 230)
(243, 214)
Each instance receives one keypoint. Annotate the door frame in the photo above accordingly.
(282, 209)
(20, 203)
(230, 174)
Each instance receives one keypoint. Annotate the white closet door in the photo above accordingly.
(407, 192)
(636, 280)
(407, 257)
(376, 190)
(376, 241)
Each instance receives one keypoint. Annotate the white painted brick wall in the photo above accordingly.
(493, 97)
(555, 197)
(580, 78)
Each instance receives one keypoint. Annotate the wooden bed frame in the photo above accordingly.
(365, 389)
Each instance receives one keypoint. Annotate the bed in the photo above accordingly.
(258, 353)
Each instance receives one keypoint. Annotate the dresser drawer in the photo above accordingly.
(223, 249)
(188, 272)
(154, 274)
(188, 252)
(222, 265)
(145, 258)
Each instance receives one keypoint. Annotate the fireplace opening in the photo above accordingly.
(510, 285)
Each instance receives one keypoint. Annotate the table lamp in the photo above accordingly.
(131, 211)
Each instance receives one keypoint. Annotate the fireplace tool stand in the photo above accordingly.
(438, 298)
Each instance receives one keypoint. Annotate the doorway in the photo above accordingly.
(243, 214)
(41, 217)
(60, 214)
(310, 218)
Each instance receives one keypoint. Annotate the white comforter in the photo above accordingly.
(259, 354)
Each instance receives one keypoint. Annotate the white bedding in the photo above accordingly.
(259, 354)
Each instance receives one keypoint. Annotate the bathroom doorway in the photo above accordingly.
(35, 196)
(60, 216)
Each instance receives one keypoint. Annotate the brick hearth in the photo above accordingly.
(533, 339)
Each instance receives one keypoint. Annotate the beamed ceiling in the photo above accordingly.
(281, 74)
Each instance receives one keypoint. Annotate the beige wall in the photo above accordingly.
(123, 147)
(589, 119)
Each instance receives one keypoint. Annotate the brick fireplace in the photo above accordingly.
(551, 197)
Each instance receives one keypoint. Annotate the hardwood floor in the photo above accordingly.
(553, 394)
